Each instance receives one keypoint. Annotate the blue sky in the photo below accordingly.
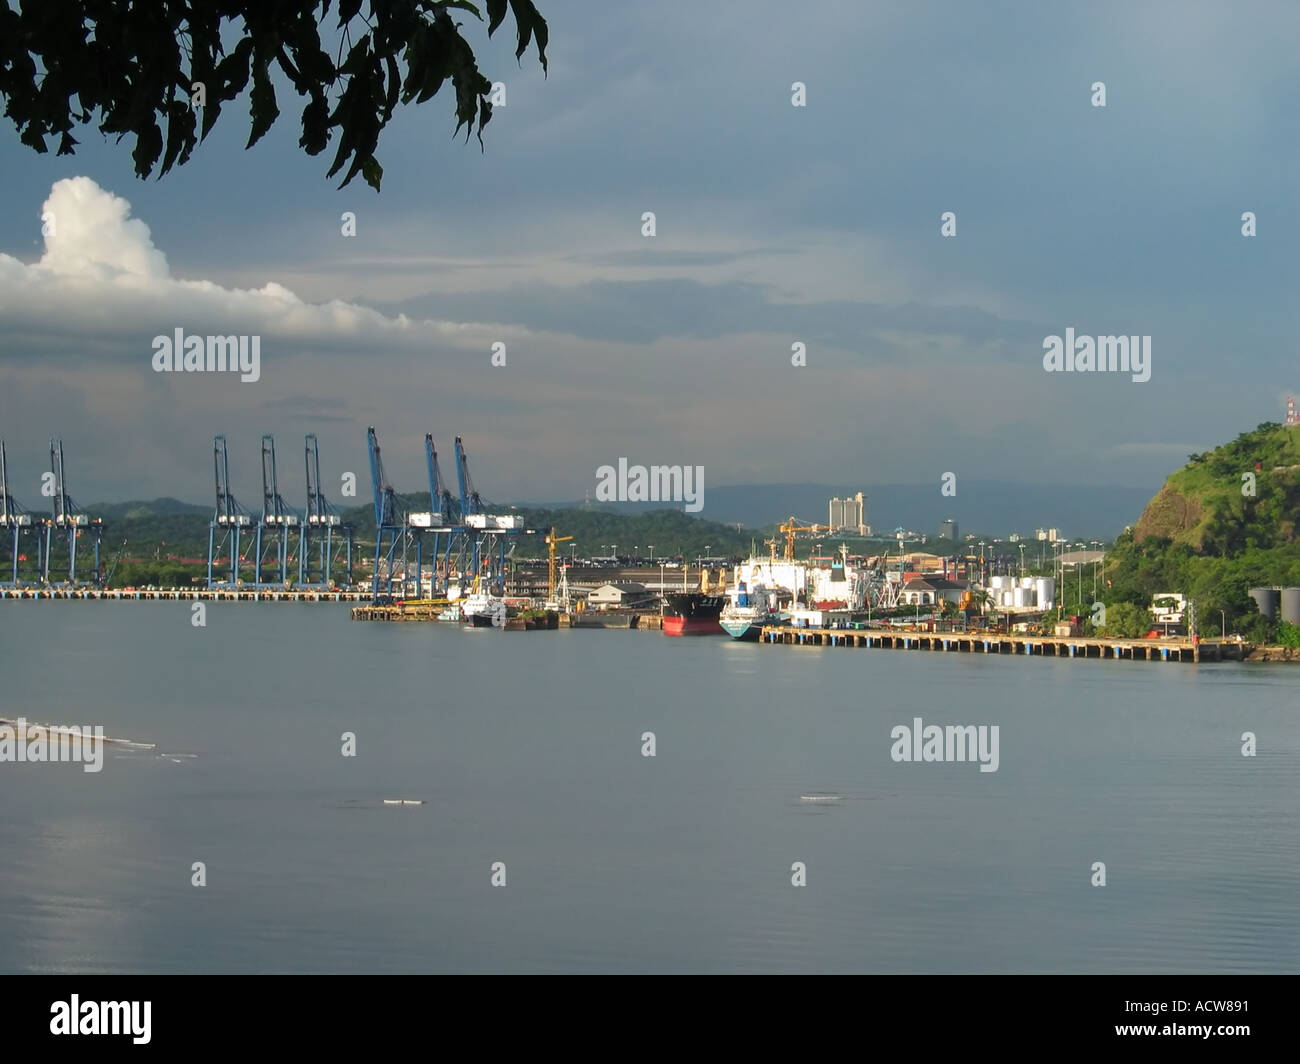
(775, 224)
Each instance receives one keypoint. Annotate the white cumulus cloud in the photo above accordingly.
(101, 276)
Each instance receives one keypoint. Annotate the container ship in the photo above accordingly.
(693, 613)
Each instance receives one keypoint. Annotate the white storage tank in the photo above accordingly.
(1006, 598)
(1023, 597)
(1045, 589)
(1026, 581)
(998, 583)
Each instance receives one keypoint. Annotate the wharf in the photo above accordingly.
(418, 611)
(401, 611)
(188, 594)
(997, 643)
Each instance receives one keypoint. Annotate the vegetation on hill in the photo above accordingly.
(1224, 523)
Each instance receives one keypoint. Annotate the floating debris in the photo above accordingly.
(403, 801)
(820, 798)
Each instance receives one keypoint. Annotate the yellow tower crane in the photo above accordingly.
(792, 527)
(551, 541)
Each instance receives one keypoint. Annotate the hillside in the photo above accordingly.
(1208, 505)
(1201, 536)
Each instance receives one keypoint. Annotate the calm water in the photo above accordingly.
(526, 749)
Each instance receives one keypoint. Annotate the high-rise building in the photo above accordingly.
(948, 530)
(849, 515)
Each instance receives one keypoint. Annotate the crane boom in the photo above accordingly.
(470, 502)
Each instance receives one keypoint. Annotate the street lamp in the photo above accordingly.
(1223, 621)
(651, 547)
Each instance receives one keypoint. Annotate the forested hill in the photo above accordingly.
(1224, 523)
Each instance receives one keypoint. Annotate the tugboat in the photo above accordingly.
(479, 609)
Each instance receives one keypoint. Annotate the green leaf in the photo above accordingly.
(464, 5)
(315, 126)
(148, 146)
(347, 11)
(263, 106)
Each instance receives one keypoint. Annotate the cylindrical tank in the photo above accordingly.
(1023, 596)
(1045, 588)
(1007, 598)
(1026, 581)
(998, 583)
(1267, 599)
(1291, 605)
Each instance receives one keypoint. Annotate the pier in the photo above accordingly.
(187, 594)
(997, 643)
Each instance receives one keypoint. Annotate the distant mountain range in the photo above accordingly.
(988, 507)
(164, 507)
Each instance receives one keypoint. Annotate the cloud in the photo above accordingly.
(102, 279)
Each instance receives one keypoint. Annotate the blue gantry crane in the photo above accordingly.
(390, 525)
(442, 519)
(275, 522)
(17, 523)
(470, 503)
(229, 518)
(68, 521)
(483, 528)
(319, 526)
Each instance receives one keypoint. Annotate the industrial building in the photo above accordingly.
(930, 590)
(624, 595)
(849, 515)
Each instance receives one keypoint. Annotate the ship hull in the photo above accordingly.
(743, 631)
(603, 619)
(693, 614)
(691, 626)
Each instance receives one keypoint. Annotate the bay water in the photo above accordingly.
(548, 841)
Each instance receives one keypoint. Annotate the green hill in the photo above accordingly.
(1224, 523)
(1212, 505)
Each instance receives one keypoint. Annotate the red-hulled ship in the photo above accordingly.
(693, 614)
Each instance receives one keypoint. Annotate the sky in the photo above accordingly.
(775, 225)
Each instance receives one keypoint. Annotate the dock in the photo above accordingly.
(243, 594)
(998, 643)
